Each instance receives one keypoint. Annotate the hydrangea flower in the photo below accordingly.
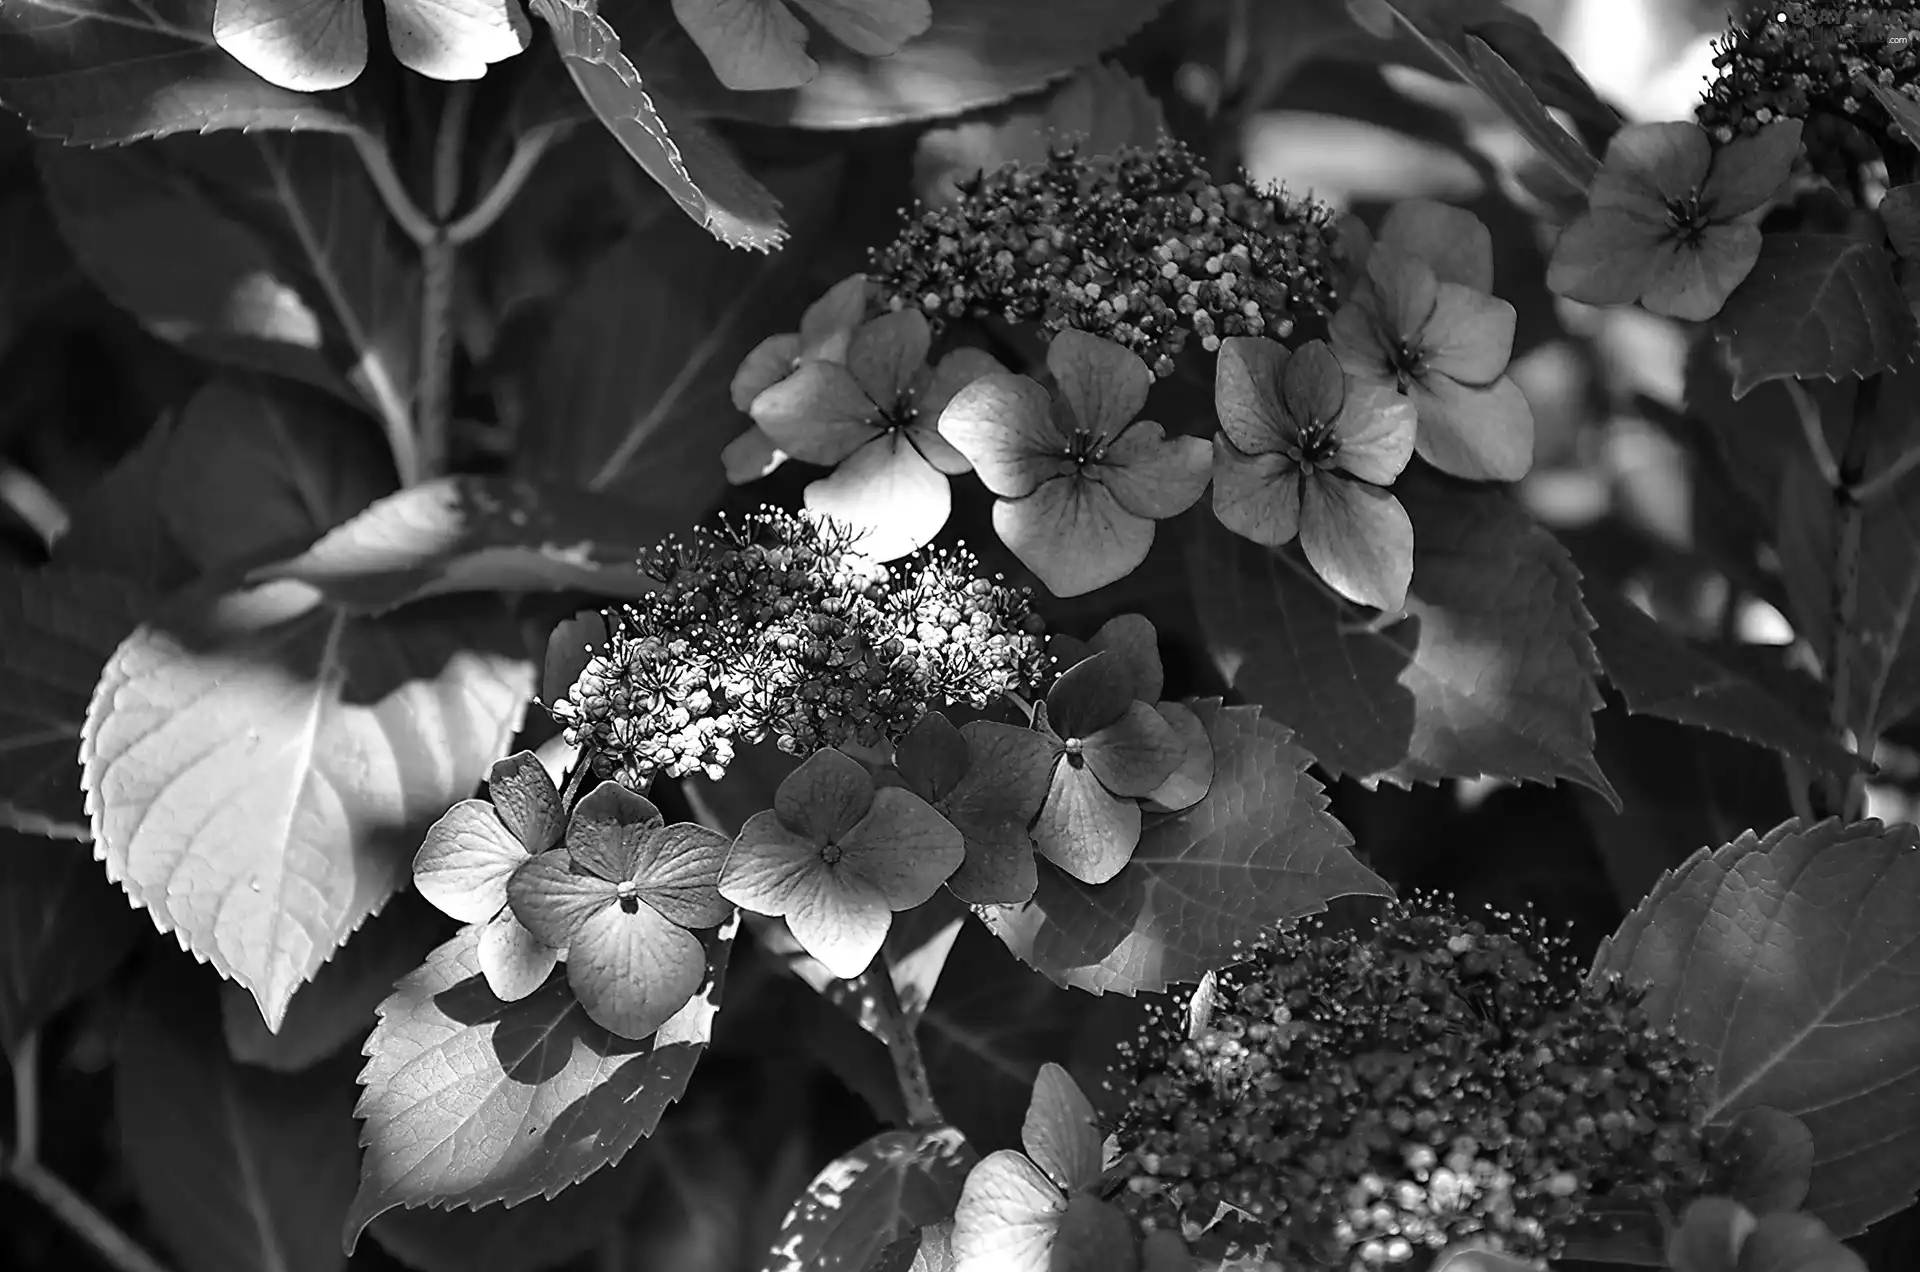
(1017, 1208)
(1110, 750)
(836, 857)
(875, 418)
(825, 329)
(1422, 322)
(1670, 221)
(1135, 647)
(1306, 449)
(989, 779)
(1081, 481)
(755, 45)
(469, 855)
(311, 47)
(625, 897)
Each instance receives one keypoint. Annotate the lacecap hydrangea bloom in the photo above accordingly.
(1369, 1097)
(1797, 60)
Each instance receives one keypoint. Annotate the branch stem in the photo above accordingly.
(33, 503)
(1846, 796)
(378, 162)
(1808, 412)
(528, 149)
(440, 261)
(875, 987)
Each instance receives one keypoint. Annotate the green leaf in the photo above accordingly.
(286, 757)
(470, 1101)
(537, 1234)
(118, 528)
(293, 267)
(61, 628)
(1258, 849)
(1904, 111)
(477, 534)
(888, 1188)
(35, 266)
(977, 53)
(335, 1009)
(1816, 305)
(63, 929)
(1659, 672)
(633, 384)
(1489, 673)
(254, 471)
(94, 72)
(690, 163)
(1790, 963)
(237, 1169)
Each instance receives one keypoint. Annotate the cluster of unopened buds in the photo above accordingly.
(779, 628)
(1366, 1098)
(1795, 60)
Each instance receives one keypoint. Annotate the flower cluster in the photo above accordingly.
(1794, 60)
(1370, 1097)
(1140, 247)
(781, 629)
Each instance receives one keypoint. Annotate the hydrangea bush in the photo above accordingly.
(838, 636)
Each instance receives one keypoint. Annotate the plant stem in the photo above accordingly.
(527, 151)
(1882, 485)
(33, 503)
(375, 158)
(22, 1166)
(1808, 411)
(440, 259)
(874, 987)
(1846, 797)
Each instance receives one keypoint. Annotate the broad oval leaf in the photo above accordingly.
(1815, 305)
(1790, 964)
(1259, 848)
(94, 72)
(476, 534)
(63, 929)
(470, 1101)
(259, 773)
(862, 1202)
(1489, 672)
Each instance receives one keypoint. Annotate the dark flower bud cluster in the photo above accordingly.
(1370, 1097)
(1794, 60)
(777, 627)
(1141, 247)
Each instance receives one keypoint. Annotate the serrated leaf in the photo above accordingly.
(633, 385)
(237, 1169)
(739, 211)
(61, 628)
(1660, 673)
(253, 469)
(63, 929)
(334, 1010)
(470, 1101)
(1488, 674)
(477, 534)
(94, 72)
(862, 1202)
(1815, 305)
(1258, 849)
(286, 757)
(296, 270)
(1789, 964)
(976, 53)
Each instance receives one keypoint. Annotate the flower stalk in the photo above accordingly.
(878, 1002)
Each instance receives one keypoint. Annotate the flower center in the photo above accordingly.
(1687, 218)
(629, 894)
(899, 415)
(831, 852)
(1085, 448)
(1075, 749)
(1318, 446)
(1408, 360)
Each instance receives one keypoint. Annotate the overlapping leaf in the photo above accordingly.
(470, 1101)
(1790, 964)
(237, 1169)
(118, 527)
(1659, 673)
(1816, 305)
(477, 534)
(61, 627)
(977, 53)
(285, 757)
(296, 270)
(1258, 849)
(1489, 672)
(63, 928)
(101, 71)
(862, 1202)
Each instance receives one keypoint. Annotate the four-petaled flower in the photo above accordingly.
(625, 897)
(825, 329)
(989, 779)
(836, 858)
(1081, 481)
(875, 418)
(469, 855)
(1135, 647)
(1422, 321)
(1305, 449)
(1670, 221)
(314, 45)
